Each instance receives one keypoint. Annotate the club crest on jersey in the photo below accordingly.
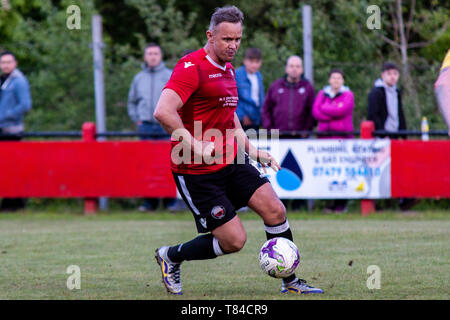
(188, 64)
(218, 212)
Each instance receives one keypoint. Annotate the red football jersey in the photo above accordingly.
(209, 95)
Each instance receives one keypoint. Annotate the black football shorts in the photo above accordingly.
(214, 198)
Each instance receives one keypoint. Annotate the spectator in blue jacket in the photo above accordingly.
(250, 89)
(15, 98)
(15, 101)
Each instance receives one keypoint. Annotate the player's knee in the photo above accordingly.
(279, 212)
(235, 243)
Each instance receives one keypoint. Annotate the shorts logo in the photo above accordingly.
(203, 223)
(218, 212)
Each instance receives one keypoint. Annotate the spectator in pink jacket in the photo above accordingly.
(333, 109)
(333, 106)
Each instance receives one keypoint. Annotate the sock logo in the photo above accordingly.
(218, 212)
(290, 176)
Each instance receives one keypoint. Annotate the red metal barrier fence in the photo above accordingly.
(420, 169)
(91, 169)
(86, 169)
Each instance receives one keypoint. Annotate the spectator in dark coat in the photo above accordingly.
(288, 106)
(289, 100)
(385, 101)
(386, 111)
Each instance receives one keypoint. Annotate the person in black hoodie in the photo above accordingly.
(386, 111)
(385, 101)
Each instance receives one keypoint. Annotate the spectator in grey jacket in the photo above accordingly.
(145, 91)
(142, 99)
(15, 101)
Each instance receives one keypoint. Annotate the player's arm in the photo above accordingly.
(261, 156)
(166, 111)
(167, 115)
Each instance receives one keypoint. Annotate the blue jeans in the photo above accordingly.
(152, 128)
(159, 134)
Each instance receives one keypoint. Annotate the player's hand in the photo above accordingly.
(267, 161)
(203, 149)
(208, 149)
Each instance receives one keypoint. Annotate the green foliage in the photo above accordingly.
(58, 65)
(15, 14)
(58, 61)
(167, 26)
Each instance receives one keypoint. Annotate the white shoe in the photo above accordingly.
(171, 275)
(299, 286)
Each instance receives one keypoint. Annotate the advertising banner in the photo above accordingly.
(330, 168)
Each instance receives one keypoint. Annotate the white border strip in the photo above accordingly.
(277, 229)
(187, 195)
(215, 64)
(217, 249)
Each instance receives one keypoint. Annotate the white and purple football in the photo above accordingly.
(279, 257)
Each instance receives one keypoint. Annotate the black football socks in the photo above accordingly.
(200, 248)
(281, 230)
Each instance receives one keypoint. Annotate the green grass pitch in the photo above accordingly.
(115, 255)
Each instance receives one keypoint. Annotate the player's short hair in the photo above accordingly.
(336, 70)
(8, 53)
(389, 66)
(253, 54)
(226, 14)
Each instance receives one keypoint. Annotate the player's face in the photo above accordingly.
(390, 77)
(153, 56)
(7, 64)
(252, 65)
(225, 40)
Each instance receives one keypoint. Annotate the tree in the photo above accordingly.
(58, 61)
(167, 26)
(58, 64)
(408, 34)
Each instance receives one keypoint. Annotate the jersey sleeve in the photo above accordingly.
(184, 80)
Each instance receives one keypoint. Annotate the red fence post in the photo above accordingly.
(367, 128)
(89, 135)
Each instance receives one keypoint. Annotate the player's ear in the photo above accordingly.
(210, 35)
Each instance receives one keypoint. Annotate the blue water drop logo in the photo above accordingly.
(290, 176)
